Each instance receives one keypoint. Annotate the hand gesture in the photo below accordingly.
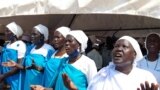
(148, 87)
(33, 66)
(10, 63)
(37, 87)
(68, 83)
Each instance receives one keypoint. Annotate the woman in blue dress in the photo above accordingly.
(77, 66)
(37, 57)
(52, 64)
(14, 50)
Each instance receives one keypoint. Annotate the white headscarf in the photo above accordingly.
(135, 46)
(15, 29)
(63, 30)
(43, 30)
(81, 37)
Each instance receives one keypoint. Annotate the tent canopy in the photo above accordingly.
(99, 17)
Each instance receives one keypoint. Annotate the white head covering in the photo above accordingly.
(135, 46)
(15, 29)
(81, 37)
(63, 30)
(43, 30)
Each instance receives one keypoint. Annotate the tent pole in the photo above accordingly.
(70, 23)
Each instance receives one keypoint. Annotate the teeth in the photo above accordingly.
(118, 55)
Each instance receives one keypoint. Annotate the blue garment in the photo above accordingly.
(32, 76)
(29, 47)
(15, 80)
(78, 77)
(50, 70)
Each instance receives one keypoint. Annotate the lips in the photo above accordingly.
(117, 56)
(67, 49)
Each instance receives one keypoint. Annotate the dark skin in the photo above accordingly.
(71, 45)
(38, 40)
(123, 56)
(153, 47)
(12, 38)
(59, 43)
(146, 86)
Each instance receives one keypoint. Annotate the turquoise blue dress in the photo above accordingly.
(32, 76)
(15, 80)
(78, 77)
(50, 71)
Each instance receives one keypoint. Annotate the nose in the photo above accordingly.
(119, 48)
(55, 39)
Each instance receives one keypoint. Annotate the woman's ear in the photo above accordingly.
(42, 37)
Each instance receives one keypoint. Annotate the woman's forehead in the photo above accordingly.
(123, 41)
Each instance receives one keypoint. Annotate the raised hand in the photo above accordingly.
(146, 86)
(10, 63)
(68, 83)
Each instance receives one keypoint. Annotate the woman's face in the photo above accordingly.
(123, 53)
(58, 40)
(35, 37)
(153, 43)
(8, 35)
(71, 44)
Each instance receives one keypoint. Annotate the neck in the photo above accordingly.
(152, 57)
(39, 46)
(60, 52)
(74, 59)
(12, 41)
(124, 69)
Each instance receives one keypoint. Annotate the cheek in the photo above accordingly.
(130, 57)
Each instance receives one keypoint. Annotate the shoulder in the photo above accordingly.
(48, 46)
(144, 73)
(19, 43)
(141, 61)
(86, 59)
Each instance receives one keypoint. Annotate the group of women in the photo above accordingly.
(67, 68)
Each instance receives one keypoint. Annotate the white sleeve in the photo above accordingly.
(21, 50)
(92, 70)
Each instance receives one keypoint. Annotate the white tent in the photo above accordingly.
(100, 17)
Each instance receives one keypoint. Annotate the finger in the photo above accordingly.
(33, 87)
(4, 63)
(142, 86)
(154, 86)
(147, 85)
(138, 89)
(157, 87)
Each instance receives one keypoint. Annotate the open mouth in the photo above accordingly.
(117, 56)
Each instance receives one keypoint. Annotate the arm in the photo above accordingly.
(11, 72)
(12, 64)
